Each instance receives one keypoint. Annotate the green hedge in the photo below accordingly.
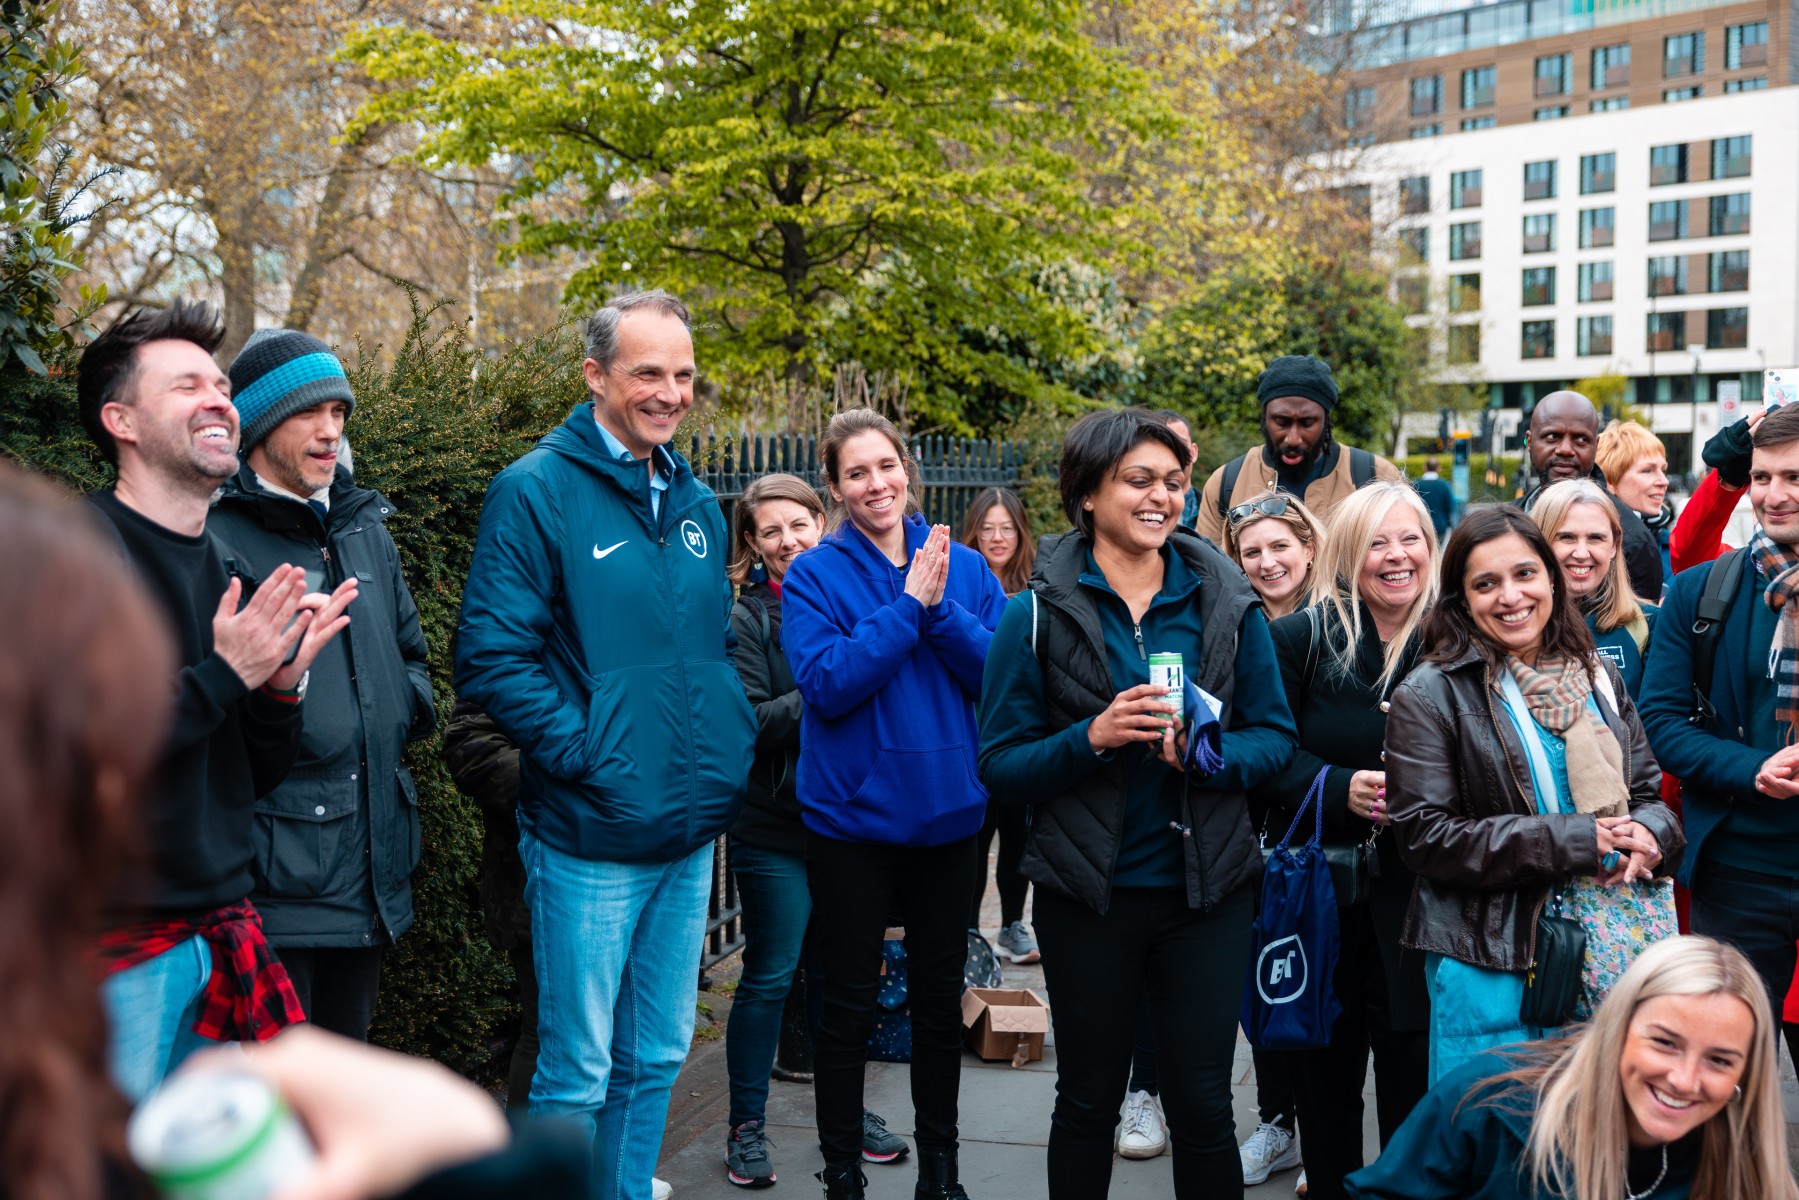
(430, 432)
(1481, 486)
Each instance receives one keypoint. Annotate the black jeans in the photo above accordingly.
(1328, 1082)
(1007, 822)
(856, 889)
(1192, 965)
(1755, 912)
(337, 986)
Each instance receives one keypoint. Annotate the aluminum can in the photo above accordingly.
(1169, 672)
(218, 1135)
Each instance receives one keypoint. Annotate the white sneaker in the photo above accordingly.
(1144, 1131)
(660, 1190)
(1299, 1189)
(1269, 1149)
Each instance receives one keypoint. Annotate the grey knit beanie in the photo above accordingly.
(280, 372)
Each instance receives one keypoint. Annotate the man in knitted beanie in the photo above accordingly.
(337, 842)
(1298, 455)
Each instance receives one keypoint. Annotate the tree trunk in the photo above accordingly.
(321, 246)
(237, 280)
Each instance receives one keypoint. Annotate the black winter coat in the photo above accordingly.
(771, 808)
(336, 843)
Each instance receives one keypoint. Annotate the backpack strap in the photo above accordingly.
(1708, 618)
(1361, 466)
(1227, 486)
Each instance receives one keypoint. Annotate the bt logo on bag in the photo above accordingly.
(1281, 971)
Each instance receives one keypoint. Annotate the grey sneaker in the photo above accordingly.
(879, 1145)
(746, 1156)
(1018, 944)
(1269, 1149)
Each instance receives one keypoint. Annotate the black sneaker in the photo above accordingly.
(878, 1145)
(746, 1157)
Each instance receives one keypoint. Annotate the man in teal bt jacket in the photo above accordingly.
(594, 634)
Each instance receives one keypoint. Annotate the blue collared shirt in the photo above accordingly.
(659, 477)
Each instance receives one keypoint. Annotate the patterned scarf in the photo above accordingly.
(1556, 691)
(1779, 565)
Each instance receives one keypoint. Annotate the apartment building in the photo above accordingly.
(1573, 190)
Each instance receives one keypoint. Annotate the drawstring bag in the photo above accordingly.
(1289, 1002)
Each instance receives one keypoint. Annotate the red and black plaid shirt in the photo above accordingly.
(249, 996)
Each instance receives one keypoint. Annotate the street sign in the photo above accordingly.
(1730, 402)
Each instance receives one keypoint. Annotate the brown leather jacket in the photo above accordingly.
(1466, 820)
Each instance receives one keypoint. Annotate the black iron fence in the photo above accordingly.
(953, 470)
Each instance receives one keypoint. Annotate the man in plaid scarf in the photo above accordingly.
(1739, 769)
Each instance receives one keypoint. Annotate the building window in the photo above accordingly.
(1424, 131)
(1464, 189)
(1477, 86)
(1667, 220)
(1539, 233)
(1414, 245)
(1464, 241)
(1555, 75)
(1668, 275)
(1414, 195)
(1539, 180)
(1550, 114)
(1539, 286)
(1470, 124)
(1358, 107)
(1427, 96)
(1732, 86)
(1727, 329)
(1683, 54)
(1412, 293)
(1728, 271)
(1538, 340)
(1611, 66)
(1746, 45)
(1464, 343)
(1595, 281)
(1730, 157)
(1596, 227)
(1667, 330)
(1676, 95)
(1667, 164)
(1612, 105)
(1594, 335)
(1464, 293)
(1729, 214)
(1598, 173)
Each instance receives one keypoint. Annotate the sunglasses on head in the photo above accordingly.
(1274, 506)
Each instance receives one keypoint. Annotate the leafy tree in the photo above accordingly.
(37, 255)
(825, 180)
(1203, 357)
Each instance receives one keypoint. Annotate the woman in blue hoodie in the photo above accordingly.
(886, 626)
(1140, 848)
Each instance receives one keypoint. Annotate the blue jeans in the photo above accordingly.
(777, 904)
(617, 951)
(151, 1009)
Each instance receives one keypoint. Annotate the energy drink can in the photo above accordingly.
(1169, 672)
(218, 1135)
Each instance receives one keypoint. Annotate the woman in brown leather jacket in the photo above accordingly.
(1515, 763)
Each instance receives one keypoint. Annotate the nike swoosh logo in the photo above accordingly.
(599, 553)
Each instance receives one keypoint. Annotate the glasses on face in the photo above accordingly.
(1274, 506)
(992, 531)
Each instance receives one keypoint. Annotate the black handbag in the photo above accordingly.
(1353, 871)
(1552, 985)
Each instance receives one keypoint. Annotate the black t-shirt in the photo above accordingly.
(227, 745)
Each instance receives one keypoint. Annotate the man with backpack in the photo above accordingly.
(1298, 454)
(1720, 703)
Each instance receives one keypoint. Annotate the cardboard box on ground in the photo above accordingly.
(1005, 1023)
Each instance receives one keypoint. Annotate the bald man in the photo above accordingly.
(1563, 436)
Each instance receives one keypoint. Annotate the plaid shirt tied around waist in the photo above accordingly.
(248, 997)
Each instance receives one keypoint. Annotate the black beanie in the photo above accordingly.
(1299, 375)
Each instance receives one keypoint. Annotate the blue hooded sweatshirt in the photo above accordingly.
(888, 738)
(593, 633)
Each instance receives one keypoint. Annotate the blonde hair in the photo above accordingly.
(1581, 1129)
(1613, 603)
(1306, 527)
(1624, 444)
(1354, 524)
(743, 521)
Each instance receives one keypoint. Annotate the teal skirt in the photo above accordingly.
(1472, 1010)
